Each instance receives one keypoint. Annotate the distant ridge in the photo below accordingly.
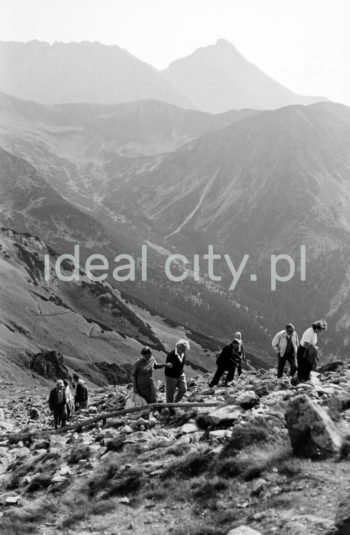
(214, 79)
(80, 72)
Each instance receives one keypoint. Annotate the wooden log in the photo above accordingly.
(105, 416)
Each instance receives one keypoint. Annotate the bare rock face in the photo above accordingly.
(49, 364)
(342, 520)
(311, 430)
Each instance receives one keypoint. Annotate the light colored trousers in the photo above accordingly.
(173, 383)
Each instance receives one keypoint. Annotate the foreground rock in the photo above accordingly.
(342, 521)
(312, 432)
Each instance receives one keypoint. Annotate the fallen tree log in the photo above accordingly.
(104, 416)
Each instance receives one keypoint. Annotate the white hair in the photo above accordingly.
(183, 342)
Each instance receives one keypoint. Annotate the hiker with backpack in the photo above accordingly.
(81, 397)
(229, 360)
(308, 350)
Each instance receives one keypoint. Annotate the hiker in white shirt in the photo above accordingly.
(308, 351)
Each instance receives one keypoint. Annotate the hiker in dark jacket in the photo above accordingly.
(81, 394)
(58, 404)
(174, 372)
(229, 360)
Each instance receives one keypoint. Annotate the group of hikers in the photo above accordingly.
(62, 402)
(302, 358)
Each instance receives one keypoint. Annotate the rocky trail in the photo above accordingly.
(266, 458)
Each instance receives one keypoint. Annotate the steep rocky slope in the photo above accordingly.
(87, 322)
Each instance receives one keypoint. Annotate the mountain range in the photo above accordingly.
(250, 182)
(215, 79)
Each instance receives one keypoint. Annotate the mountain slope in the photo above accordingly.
(76, 146)
(218, 78)
(97, 331)
(80, 72)
(265, 185)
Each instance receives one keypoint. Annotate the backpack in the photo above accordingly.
(237, 351)
(82, 392)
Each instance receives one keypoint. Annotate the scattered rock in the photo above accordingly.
(12, 500)
(331, 366)
(248, 400)
(258, 486)
(222, 416)
(34, 414)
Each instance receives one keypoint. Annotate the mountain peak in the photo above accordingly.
(218, 78)
(224, 43)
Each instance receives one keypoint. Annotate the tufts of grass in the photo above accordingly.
(47, 462)
(102, 506)
(253, 463)
(206, 489)
(25, 520)
(113, 480)
(258, 461)
(244, 436)
(16, 527)
(192, 465)
(177, 451)
(227, 467)
(292, 467)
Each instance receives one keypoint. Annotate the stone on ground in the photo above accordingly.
(243, 530)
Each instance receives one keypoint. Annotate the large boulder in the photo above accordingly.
(243, 530)
(342, 519)
(311, 430)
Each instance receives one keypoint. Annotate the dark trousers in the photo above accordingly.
(221, 369)
(60, 417)
(282, 362)
(304, 365)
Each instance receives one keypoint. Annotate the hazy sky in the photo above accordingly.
(304, 44)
